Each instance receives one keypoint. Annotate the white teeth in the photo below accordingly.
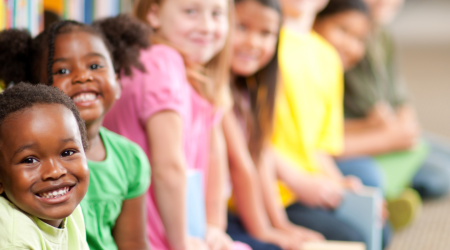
(55, 193)
(84, 97)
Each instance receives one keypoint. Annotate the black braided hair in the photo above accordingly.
(24, 95)
(338, 6)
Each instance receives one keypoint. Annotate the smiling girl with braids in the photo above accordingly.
(78, 59)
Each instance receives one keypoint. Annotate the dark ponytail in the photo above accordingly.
(127, 37)
(15, 55)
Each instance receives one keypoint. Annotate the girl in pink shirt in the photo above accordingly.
(171, 111)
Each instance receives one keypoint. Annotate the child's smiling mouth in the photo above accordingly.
(84, 97)
(56, 195)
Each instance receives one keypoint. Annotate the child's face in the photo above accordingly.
(255, 37)
(347, 32)
(83, 70)
(297, 8)
(198, 28)
(384, 11)
(43, 168)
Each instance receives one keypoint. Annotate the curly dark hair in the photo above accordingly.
(24, 95)
(338, 6)
(23, 58)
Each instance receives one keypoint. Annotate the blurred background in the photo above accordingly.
(422, 33)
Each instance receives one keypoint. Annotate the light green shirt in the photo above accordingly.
(23, 231)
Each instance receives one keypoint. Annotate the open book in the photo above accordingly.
(334, 245)
(362, 211)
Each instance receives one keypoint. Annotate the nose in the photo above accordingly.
(52, 170)
(252, 40)
(82, 75)
(206, 23)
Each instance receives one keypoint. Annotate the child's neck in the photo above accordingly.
(301, 24)
(96, 151)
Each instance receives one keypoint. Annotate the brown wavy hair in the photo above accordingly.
(260, 88)
(210, 80)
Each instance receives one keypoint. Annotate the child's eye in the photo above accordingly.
(29, 160)
(62, 72)
(67, 153)
(217, 13)
(191, 11)
(241, 27)
(95, 66)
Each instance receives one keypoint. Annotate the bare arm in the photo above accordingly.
(164, 131)
(246, 187)
(216, 204)
(129, 231)
(389, 132)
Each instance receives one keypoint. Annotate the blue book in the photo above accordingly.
(362, 211)
(195, 205)
(88, 11)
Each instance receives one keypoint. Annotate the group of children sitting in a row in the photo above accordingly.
(249, 94)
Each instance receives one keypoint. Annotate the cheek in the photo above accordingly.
(268, 51)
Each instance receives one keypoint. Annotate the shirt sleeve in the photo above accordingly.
(139, 176)
(331, 139)
(163, 82)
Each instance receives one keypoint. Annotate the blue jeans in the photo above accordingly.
(433, 178)
(237, 232)
(365, 168)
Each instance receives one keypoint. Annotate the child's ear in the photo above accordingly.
(153, 16)
(118, 88)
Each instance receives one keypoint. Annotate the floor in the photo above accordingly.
(423, 34)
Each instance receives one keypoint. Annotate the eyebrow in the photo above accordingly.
(22, 148)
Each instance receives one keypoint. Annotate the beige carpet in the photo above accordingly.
(423, 35)
(431, 231)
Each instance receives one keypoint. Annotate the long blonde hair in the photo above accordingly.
(211, 80)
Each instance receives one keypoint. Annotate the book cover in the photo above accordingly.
(3, 14)
(333, 245)
(362, 211)
(88, 11)
(9, 14)
(35, 19)
(106, 8)
(75, 10)
(195, 204)
(21, 14)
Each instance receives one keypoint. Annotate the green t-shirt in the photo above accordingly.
(19, 230)
(374, 79)
(123, 175)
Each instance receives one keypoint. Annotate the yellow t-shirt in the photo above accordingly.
(23, 231)
(309, 107)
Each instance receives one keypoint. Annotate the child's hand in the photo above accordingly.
(381, 115)
(322, 192)
(283, 240)
(303, 233)
(196, 244)
(217, 239)
(352, 183)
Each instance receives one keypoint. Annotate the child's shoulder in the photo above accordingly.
(161, 54)
(14, 224)
(118, 141)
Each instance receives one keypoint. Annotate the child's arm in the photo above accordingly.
(164, 134)
(216, 204)
(273, 204)
(246, 188)
(311, 190)
(389, 131)
(129, 231)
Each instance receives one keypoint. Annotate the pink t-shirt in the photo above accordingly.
(162, 87)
